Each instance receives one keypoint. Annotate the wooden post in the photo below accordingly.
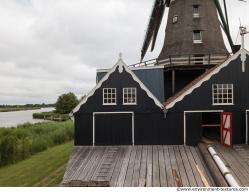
(173, 82)
(170, 61)
(209, 59)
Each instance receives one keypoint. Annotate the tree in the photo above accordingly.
(65, 103)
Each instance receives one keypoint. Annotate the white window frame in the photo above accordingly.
(197, 40)
(109, 93)
(175, 19)
(129, 103)
(229, 96)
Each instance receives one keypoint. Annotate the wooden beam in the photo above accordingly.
(173, 81)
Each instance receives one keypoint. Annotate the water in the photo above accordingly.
(10, 119)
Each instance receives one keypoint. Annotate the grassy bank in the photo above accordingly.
(20, 143)
(43, 169)
(51, 116)
(10, 109)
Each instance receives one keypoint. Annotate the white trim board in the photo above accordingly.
(199, 111)
(134, 68)
(116, 112)
(247, 126)
(121, 66)
(242, 52)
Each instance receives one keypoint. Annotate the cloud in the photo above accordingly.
(49, 47)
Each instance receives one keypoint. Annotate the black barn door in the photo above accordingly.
(193, 128)
(113, 129)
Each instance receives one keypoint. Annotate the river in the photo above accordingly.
(10, 119)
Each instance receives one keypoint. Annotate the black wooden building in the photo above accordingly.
(195, 89)
(198, 107)
(121, 110)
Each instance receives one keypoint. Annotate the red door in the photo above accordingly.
(226, 129)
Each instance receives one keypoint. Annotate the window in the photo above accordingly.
(196, 11)
(175, 19)
(197, 36)
(172, 1)
(109, 96)
(129, 96)
(222, 94)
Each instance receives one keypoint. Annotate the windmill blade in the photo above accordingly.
(225, 25)
(154, 25)
(159, 21)
(225, 8)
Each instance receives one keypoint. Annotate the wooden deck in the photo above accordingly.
(137, 166)
(237, 160)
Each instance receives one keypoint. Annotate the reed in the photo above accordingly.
(18, 143)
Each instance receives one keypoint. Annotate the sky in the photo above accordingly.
(51, 47)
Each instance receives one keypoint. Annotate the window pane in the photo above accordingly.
(197, 35)
(129, 96)
(109, 96)
(223, 94)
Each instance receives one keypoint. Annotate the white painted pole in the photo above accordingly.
(243, 32)
(242, 39)
(223, 169)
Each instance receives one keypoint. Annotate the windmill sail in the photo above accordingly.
(154, 25)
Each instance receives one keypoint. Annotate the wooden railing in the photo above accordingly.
(184, 61)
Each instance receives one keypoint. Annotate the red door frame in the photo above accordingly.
(226, 129)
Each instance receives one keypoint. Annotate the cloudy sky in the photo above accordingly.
(49, 47)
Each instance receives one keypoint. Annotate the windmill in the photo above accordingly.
(184, 16)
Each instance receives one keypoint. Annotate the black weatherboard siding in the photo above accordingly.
(150, 126)
(201, 99)
(152, 78)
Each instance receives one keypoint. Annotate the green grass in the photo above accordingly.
(45, 169)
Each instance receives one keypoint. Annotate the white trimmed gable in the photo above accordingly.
(242, 53)
(121, 66)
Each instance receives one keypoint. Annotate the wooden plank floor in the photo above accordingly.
(237, 160)
(144, 166)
